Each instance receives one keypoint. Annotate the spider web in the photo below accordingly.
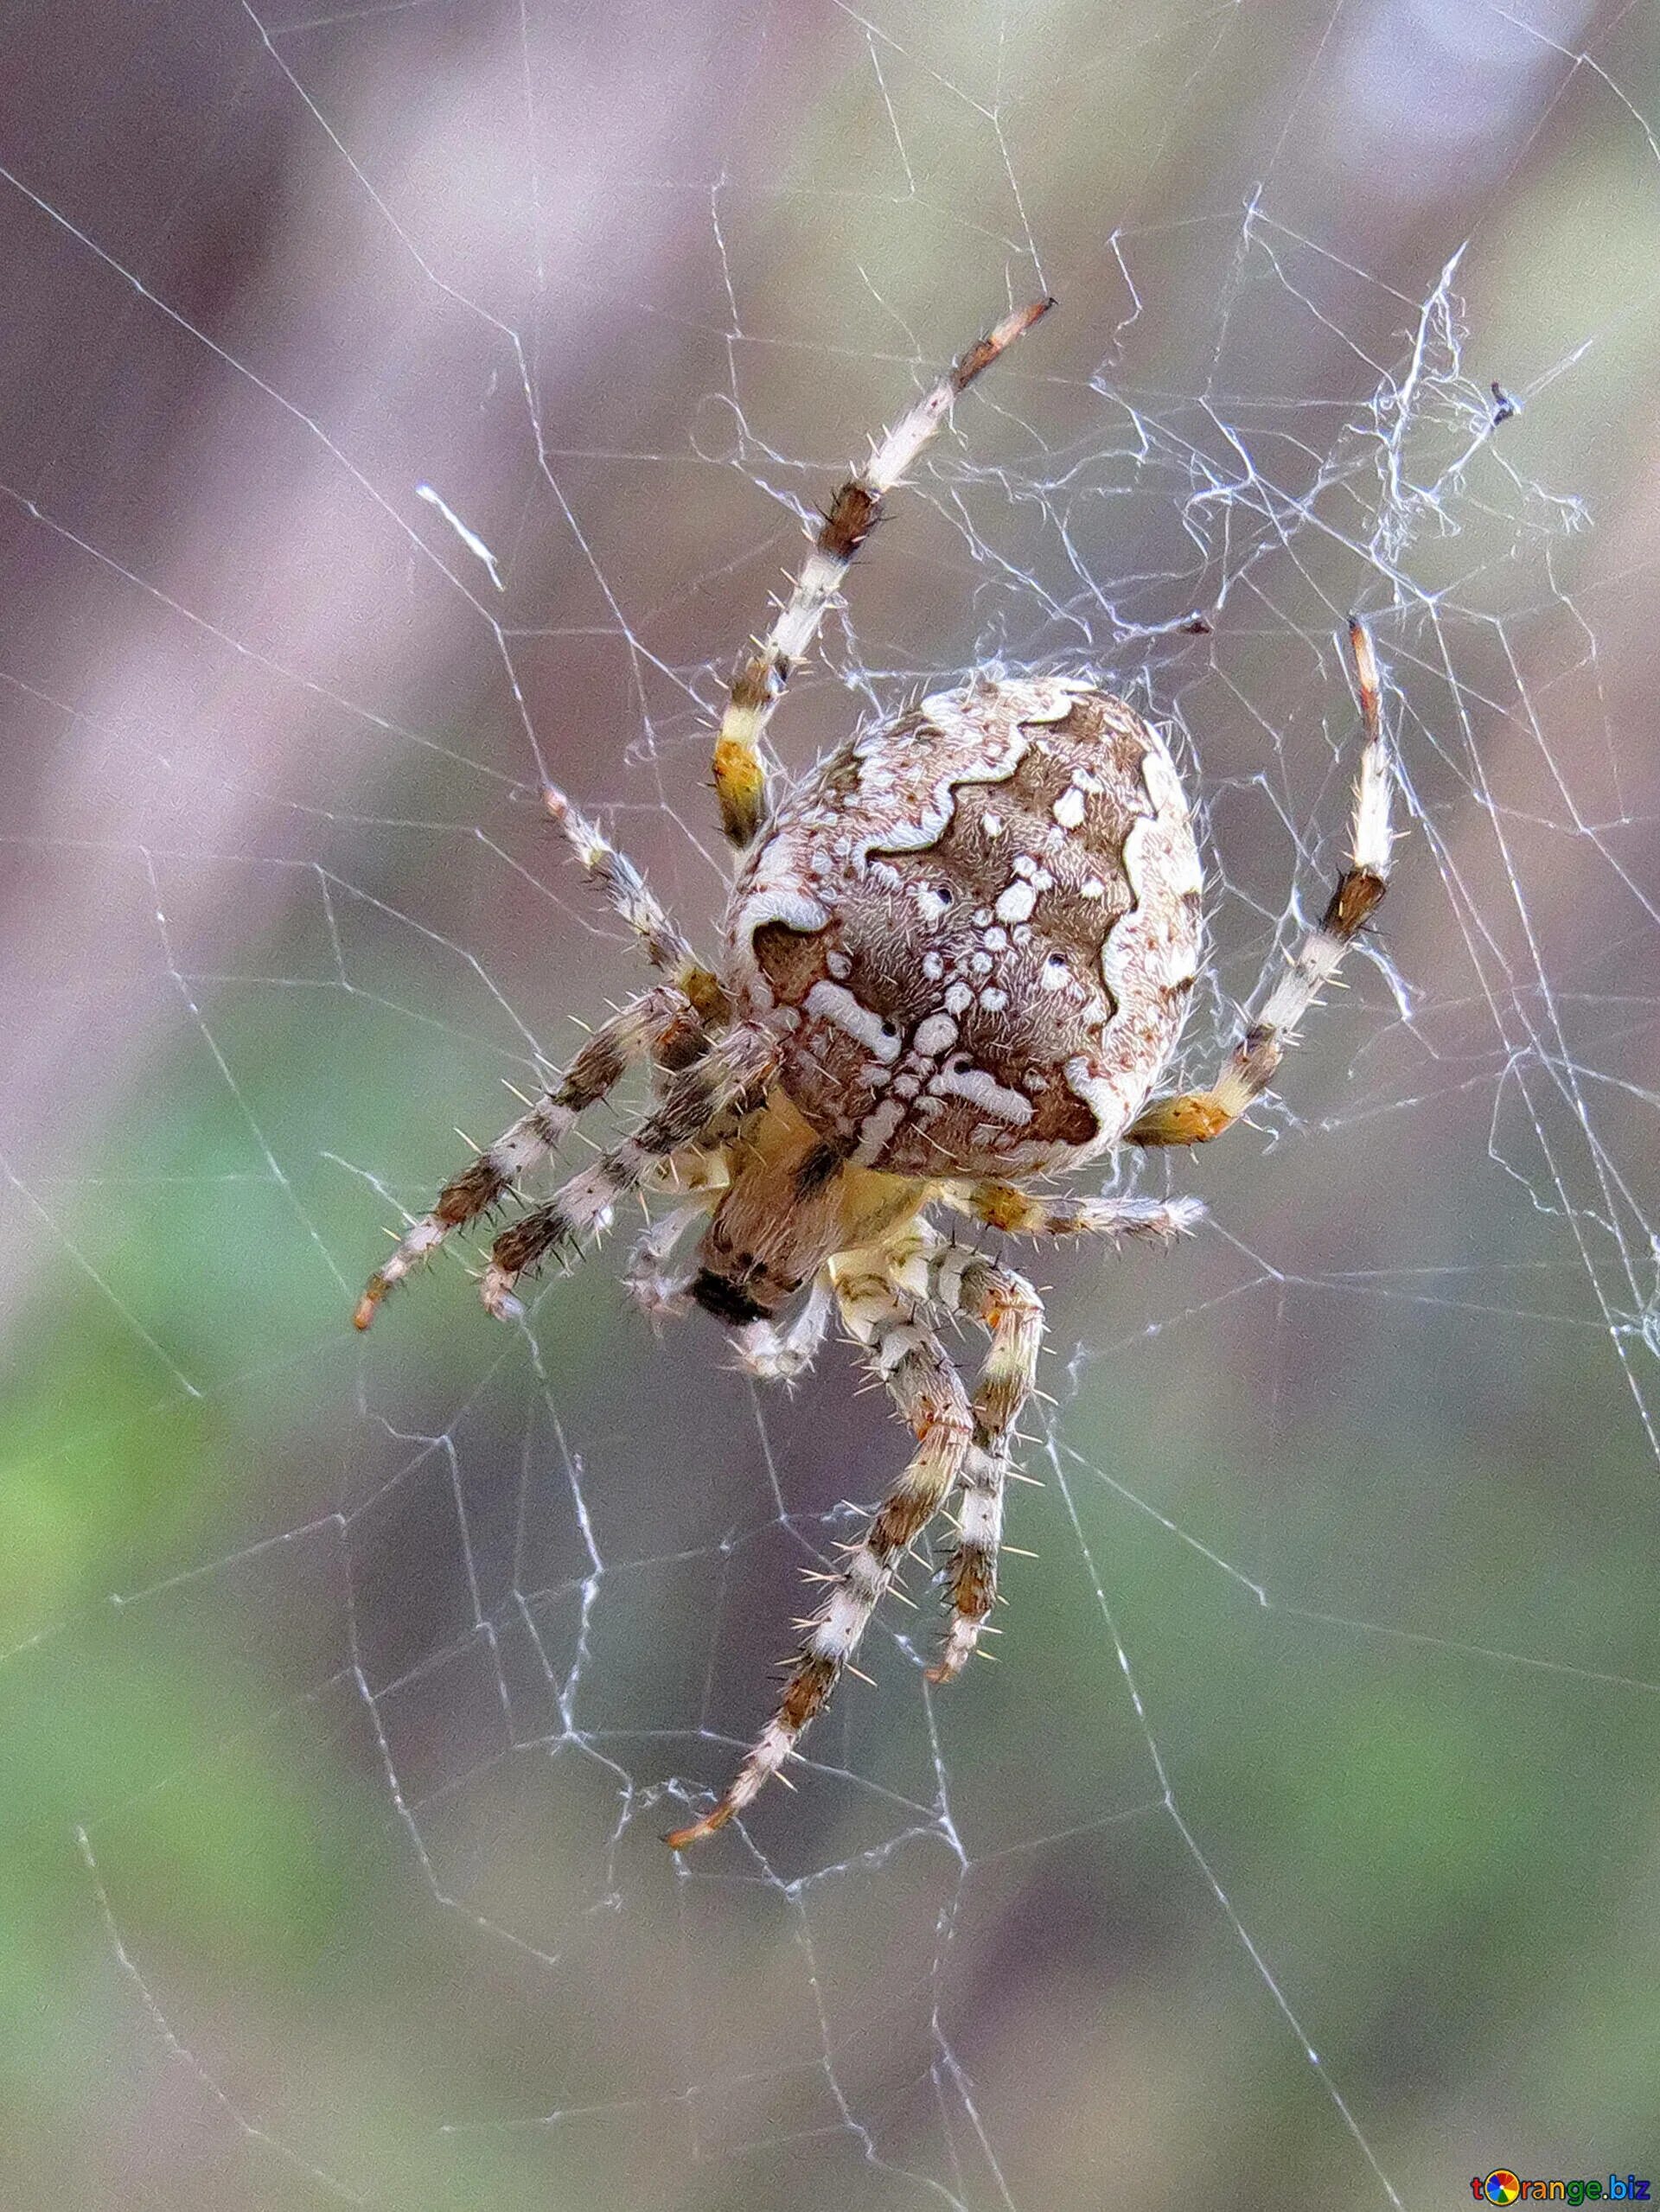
(407, 403)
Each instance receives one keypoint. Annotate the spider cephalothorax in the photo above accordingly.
(957, 957)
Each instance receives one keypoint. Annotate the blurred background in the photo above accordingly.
(400, 404)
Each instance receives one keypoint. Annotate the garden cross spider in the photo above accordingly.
(957, 956)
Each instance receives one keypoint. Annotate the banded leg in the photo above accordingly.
(1070, 1214)
(1006, 1305)
(854, 512)
(735, 1068)
(1195, 1117)
(631, 898)
(662, 1025)
(930, 1395)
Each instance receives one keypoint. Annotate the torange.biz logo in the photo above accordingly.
(1502, 2187)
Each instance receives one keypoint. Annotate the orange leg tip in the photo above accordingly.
(947, 1668)
(1360, 641)
(678, 1838)
(1016, 325)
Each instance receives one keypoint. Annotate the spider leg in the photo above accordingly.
(662, 1025)
(1025, 1213)
(632, 899)
(703, 1169)
(1007, 1306)
(740, 772)
(1195, 1117)
(737, 1066)
(928, 1390)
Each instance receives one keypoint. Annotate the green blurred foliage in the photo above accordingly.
(351, 1683)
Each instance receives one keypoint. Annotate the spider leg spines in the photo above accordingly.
(1195, 1117)
(855, 508)
(928, 1393)
(631, 898)
(735, 1067)
(1006, 1305)
(1027, 1213)
(661, 1020)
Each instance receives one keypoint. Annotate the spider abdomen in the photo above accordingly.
(975, 929)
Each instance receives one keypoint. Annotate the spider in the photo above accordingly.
(956, 957)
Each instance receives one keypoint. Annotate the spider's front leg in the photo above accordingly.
(929, 1393)
(735, 1068)
(854, 511)
(662, 1025)
(631, 898)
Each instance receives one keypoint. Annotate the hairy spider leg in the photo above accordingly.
(910, 1361)
(1071, 1214)
(632, 899)
(1007, 1306)
(734, 1070)
(662, 1025)
(855, 510)
(1195, 1117)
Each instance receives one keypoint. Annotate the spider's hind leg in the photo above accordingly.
(1074, 1213)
